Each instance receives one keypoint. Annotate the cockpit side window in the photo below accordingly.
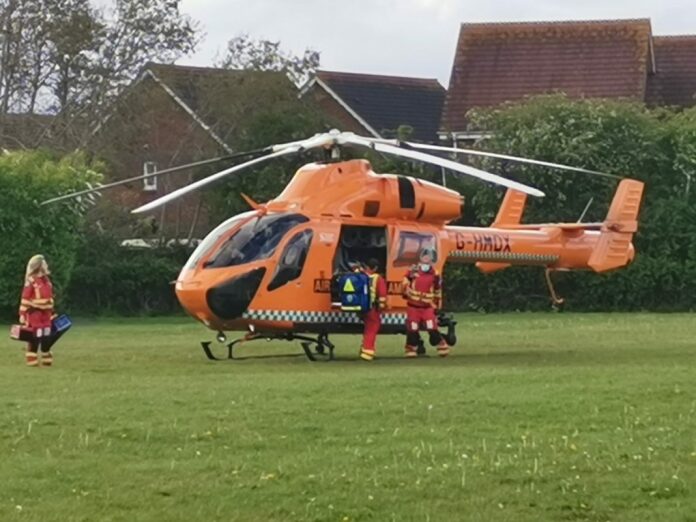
(257, 239)
(292, 260)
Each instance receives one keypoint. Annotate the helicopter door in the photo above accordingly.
(358, 244)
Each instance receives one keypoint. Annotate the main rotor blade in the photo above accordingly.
(158, 173)
(210, 179)
(472, 152)
(319, 140)
(442, 162)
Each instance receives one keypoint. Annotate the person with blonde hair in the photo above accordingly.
(36, 310)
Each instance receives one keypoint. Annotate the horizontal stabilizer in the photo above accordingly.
(613, 250)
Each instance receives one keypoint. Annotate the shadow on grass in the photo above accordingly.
(508, 358)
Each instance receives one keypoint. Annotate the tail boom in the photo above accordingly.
(561, 246)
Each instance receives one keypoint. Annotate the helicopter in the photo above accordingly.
(270, 272)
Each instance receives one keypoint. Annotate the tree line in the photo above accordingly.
(68, 58)
(72, 59)
(656, 146)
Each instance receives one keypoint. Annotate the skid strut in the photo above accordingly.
(556, 301)
(323, 348)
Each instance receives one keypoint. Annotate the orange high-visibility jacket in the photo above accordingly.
(423, 289)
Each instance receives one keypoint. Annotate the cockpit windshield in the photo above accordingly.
(257, 239)
(214, 236)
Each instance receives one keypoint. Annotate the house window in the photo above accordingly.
(150, 184)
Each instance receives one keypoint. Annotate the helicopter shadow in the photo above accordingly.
(531, 358)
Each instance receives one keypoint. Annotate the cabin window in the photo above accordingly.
(410, 246)
(255, 240)
(292, 260)
(150, 183)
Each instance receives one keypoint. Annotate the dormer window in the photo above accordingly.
(150, 183)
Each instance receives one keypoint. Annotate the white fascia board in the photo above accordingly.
(464, 135)
(99, 125)
(190, 112)
(347, 107)
(306, 87)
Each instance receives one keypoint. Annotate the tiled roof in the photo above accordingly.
(675, 80)
(387, 102)
(502, 62)
(205, 89)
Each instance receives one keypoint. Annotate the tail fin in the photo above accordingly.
(511, 209)
(614, 248)
(510, 213)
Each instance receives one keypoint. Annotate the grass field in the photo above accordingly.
(533, 417)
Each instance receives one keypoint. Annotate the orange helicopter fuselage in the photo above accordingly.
(271, 269)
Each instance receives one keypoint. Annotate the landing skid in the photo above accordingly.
(323, 348)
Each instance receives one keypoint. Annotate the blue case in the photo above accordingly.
(61, 323)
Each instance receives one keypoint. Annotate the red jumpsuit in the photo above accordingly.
(372, 318)
(36, 313)
(423, 293)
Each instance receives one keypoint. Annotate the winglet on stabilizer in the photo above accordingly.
(509, 214)
(614, 248)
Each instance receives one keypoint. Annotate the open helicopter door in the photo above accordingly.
(358, 244)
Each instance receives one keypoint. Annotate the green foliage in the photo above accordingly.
(625, 139)
(286, 119)
(244, 52)
(609, 136)
(26, 228)
(110, 279)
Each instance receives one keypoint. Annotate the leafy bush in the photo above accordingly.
(657, 147)
(110, 279)
(27, 228)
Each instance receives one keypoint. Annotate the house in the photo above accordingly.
(622, 59)
(674, 82)
(174, 115)
(377, 105)
(26, 131)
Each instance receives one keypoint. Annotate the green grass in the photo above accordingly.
(533, 417)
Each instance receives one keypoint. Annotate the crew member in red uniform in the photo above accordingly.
(423, 293)
(36, 310)
(373, 317)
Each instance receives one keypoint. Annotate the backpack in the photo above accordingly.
(354, 292)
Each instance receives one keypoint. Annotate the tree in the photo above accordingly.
(621, 138)
(279, 118)
(68, 58)
(75, 31)
(27, 228)
(244, 52)
(44, 43)
(129, 36)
